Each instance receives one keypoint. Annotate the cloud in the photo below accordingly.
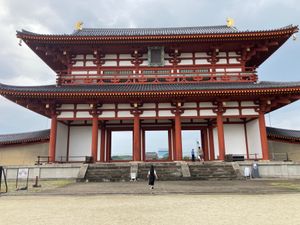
(20, 66)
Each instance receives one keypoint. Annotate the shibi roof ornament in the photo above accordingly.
(78, 25)
(229, 22)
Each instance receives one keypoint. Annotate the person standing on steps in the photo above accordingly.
(193, 155)
(152, 176)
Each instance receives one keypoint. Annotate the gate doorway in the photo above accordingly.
(121, 146)
(191, 139)
(156, 145)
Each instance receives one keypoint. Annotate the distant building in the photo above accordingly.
(151, 156)
(163, 154)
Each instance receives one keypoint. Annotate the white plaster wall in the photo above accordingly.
(233, 61)
(201, 54)
(233, 69)
(125, 63)
(125, 56)
(216, 143)
(190, 105)
(232, 54)
(232, 104)
(61, 141)
(202, 61)
(66, 115)
(107, 114)
(110, 56)
(124, 114)
(249, 112)
(165, 105)
(79, 57)
(234, 136)
(186, 62)
(148, 106)
(222, 61)
(253, 136)
(83, 115)
(110, 63)
(90, 63)
(206, 104)
(83, 106)
(222, 54)
(207, 112)
(231, 112)
(80, 142)
(148, 113)
(187, 55)
(190, 113)
(90, 57)
(108, 106)
(247, 103)
(124, 106)
(165, 113)
(79, 72)
(78, 63)
(67, 106)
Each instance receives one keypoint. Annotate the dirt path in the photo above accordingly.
(278, 209)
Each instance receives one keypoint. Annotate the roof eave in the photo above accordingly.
(24, 35)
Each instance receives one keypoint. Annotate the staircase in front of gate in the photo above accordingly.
(166, 171)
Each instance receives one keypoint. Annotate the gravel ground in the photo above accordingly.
(173, 209)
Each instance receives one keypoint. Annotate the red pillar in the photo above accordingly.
(170, 144)
(52, 142)
(211, 144)
(221, 140)
(205, 144)
(102, 146)
(178, 141)
(174, 155)
(136, 138)
(108, 146)
(95, 128)
(263, 136)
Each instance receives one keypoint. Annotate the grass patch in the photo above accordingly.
(45, 185)
(287, 185)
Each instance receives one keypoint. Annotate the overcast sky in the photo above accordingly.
(20, 66)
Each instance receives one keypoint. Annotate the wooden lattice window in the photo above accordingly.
(156, 56)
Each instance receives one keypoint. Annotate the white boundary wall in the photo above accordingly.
(275, 169)
(80, 142)
(56, 171)
(253, 137)
(61, 141)
(235, 142)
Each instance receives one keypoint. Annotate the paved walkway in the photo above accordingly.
(268, 202)
(257, 186)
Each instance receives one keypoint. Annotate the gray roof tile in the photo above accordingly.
(283, 133)
(28, 137)
(153, 31)
(118, 88)
(103, 32)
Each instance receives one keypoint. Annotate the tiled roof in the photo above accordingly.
(280, 133)
(197, 30)
(127, 88)
(154, 31)
(29, 137)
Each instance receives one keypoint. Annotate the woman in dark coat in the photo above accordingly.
(152, 176)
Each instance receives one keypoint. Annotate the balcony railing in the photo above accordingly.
(156, 75)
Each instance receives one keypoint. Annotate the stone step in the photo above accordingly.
(165, 171)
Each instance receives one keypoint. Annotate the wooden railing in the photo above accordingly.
(157, 75)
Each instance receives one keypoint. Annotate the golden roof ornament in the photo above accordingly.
(229, 22)
(78, 25)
